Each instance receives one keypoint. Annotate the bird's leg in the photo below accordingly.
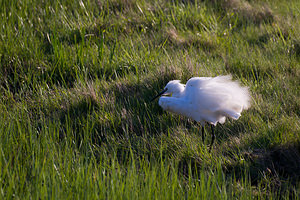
(203, 134)
(212, 136)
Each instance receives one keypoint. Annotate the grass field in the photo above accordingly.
(76, 79)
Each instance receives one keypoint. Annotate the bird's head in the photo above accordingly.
(174, 88)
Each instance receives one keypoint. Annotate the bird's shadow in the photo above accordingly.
(127, 116)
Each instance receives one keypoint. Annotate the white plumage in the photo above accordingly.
(206, 99)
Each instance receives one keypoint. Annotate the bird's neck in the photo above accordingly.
(179, 91)
(178, 94)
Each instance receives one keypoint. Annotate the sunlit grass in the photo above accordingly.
(76, 119)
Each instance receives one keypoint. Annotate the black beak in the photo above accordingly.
(161, 93)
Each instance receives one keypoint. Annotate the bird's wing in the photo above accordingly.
(209, 100)
(204, 81)
(198, 82)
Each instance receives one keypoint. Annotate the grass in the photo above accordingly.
(77, 77)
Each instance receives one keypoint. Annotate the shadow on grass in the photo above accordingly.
(276, 169)
(128, 118)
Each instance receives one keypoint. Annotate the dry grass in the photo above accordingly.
(253, 12)
(204, 40)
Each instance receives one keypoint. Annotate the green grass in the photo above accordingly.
(77, 77)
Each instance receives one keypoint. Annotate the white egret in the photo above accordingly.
(206, 100)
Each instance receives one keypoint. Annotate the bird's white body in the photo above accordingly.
(206, 99)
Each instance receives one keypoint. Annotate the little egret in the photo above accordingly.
(206, 100)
